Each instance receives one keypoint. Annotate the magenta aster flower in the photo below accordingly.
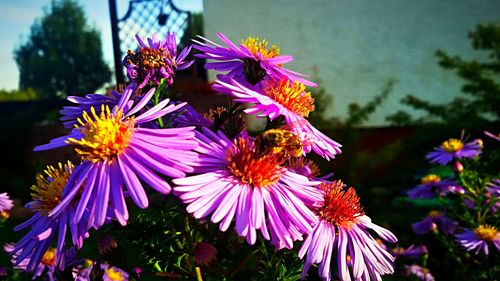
(252, 60)
(233, 180)
(421, 273)
(432, 184)
(455, 149)
(117, 152)
(493, 136)
(47, 193)
(344, 228)
(156, 60)
(435, 220)
(480, 239)
(282, 98)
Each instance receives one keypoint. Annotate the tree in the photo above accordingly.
(481, 90)
(63, 54)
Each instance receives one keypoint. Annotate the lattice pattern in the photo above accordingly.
(142, 19)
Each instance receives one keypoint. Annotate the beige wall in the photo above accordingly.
(357, 46)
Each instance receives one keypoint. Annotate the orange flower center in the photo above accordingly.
(431, 178)
(105, 135)
(486, 232)
(49, 186)
(452, 145)
(260, 47)
(340, 207)
(49, 258)
(251, 167)
(149, 57)
(291, 95)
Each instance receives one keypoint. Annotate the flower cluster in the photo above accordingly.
(136, 144)
(463, 192)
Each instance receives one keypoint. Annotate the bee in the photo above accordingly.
(279, 142)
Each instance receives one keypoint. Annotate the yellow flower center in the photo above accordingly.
(486, 232)
(260, 47)
(452, 145)
(105, 135)
(251, 167)
(291, 95)
(4, 215)
(434, 214)
(114, 274)
(49, 258)
(340, 207)
(49, 186)
(431, 178)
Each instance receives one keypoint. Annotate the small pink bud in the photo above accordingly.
(458, 167)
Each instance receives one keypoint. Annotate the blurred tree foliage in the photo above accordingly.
(18, 95)
(479, 103)
(62, 55)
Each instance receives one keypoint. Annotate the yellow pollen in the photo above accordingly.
(452, 145)
(260, 47)
(251, 167)
(486, 232)
(105, 135)
(291, 95)
(49, 258)
(431, 178)
(47, 191)
(114, 275)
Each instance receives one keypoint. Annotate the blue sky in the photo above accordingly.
(18, 16)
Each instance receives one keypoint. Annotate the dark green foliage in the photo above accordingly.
(481, 90)
(63, 54)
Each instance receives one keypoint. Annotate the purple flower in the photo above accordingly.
(493, 188)
(434, 221)
(344, 229)
(421, 272)
(46, 266)
(432, 184)
(455, 149)
(70, 114)
(413, 252)
(33, 248)
(479, 239)
(155, 61)
(234, 180)
(81, 272)
(282, 98)
(112, 273)
(3, 272)
(493, 136)
(117, 152)
(252, 60)
(5, 203)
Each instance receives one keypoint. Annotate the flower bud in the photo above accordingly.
(458, 167)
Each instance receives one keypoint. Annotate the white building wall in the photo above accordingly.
(357, 46)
